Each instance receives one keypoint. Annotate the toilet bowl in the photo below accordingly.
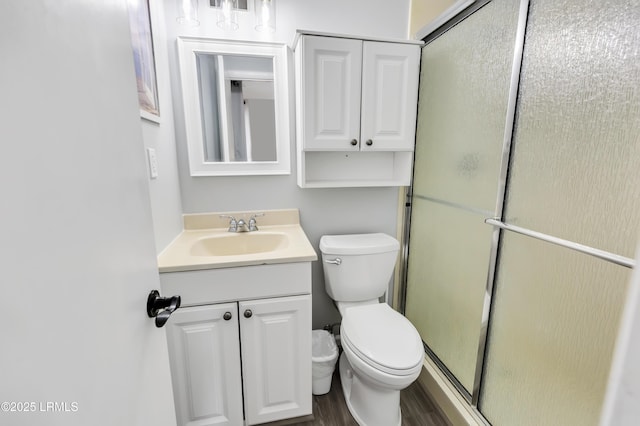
(383, 352)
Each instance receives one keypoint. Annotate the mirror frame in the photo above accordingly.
(188, 48)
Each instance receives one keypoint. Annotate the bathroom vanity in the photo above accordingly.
(241, 342)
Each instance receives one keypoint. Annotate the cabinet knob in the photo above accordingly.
(227, 316)
(369, 142)
(354, 142)
(248, 313)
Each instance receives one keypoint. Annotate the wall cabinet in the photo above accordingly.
(356, 111)
(246, 361)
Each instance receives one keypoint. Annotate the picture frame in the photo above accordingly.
(144, 59)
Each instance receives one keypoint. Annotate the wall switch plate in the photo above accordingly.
(153, 163)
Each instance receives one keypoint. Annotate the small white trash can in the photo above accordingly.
(324, 354)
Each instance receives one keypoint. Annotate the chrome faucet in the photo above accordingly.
(252, 222)
(242, 226)
(233, 223)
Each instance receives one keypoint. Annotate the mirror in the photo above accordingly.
(236, 107)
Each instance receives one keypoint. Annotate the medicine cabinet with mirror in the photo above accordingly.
(236, 106)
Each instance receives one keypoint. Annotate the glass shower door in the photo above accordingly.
(462, 112)
(573, 180)
(575, 175)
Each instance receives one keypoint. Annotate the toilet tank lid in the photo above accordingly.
(358, 244)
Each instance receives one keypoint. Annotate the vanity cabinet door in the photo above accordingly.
(390, 74)
(205, 365)
(276, 358)
(330, 79)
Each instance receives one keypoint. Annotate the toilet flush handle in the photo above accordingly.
(336, 261)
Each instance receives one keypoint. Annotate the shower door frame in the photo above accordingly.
(497, 221)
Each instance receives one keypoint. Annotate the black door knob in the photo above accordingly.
(248, 313)
(227, 316)
(161, 307)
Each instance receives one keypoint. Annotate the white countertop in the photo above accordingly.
(178, 255)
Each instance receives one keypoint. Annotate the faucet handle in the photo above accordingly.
(252, 221)
(233, 223)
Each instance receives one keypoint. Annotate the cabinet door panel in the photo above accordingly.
(276, 358)
(205, 365)
(389, 96)
(331, 87)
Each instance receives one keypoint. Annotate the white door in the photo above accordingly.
(390, 73)
(621, 405)
(331, 72)
(276, 358)
(204, 345)
(77, 256)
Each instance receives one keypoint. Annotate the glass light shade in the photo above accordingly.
(188, 13)
(228, 15)
(265, 15)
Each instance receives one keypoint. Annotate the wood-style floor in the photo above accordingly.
(417, 408)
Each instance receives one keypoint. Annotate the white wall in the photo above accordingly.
(166, 204)
(374, 18)
(323, 211)
(424, 12)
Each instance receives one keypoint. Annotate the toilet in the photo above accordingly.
(383, 351)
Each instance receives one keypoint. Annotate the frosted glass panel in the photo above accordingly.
(464, 89)
(446, 283)
(553, 326)
(576, 166)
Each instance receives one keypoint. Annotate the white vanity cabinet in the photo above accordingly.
(241, 343)
(275, 336)
(356, 110)
(204, 353)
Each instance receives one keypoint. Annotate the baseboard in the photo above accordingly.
(451, 404)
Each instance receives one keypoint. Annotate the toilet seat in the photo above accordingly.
(383, 338)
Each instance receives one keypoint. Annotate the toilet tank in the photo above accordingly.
(358, 267)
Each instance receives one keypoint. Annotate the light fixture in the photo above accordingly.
(265, 11)
(188, 13)
(228, 15)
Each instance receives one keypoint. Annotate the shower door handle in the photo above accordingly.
(336, 261)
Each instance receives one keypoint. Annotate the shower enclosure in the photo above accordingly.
(525, 205)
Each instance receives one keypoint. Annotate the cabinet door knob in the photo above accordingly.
(227, 316)
(248, 313)
(354, 142)
(369, 142)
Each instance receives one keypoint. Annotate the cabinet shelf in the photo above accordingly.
(326, 169)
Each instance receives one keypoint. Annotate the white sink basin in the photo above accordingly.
(236, 244)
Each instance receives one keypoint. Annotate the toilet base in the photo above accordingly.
(368, 404)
